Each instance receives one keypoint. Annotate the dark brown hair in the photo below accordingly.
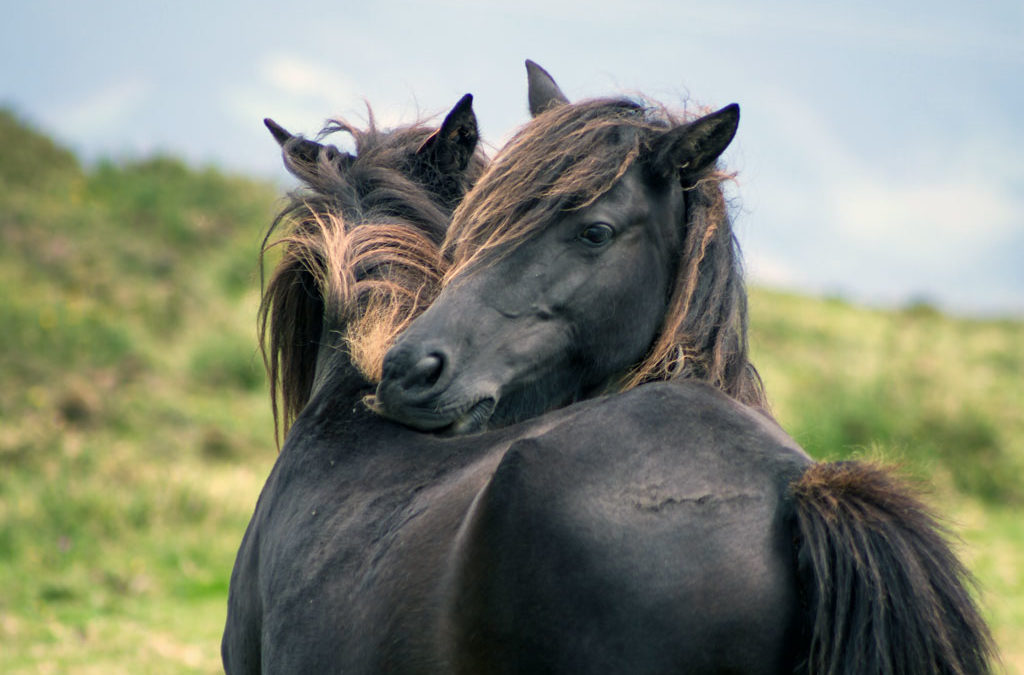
(571, 155)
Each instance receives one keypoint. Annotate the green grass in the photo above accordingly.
(940, 396)
(135, 431)
(134, 428)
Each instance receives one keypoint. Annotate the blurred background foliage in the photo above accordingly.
(135, 431)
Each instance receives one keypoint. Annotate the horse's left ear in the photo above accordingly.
(297, 148)
(693, 147)
(451, 147)
(542, 90)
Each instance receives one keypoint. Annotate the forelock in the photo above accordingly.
(564, 159)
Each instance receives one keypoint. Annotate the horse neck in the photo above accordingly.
(334, 369)
(705, 332)
(719, 322)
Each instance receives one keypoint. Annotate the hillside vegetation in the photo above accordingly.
(135, 432)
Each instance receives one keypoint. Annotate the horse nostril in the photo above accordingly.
(426, 372)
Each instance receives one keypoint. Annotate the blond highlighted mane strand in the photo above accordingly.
(568, 157)
(401, 276)
(373, 280)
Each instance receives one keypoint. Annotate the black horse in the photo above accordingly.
(360, 242)
(596, 254)
(669, 527)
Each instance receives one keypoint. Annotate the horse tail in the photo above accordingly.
(885, 591)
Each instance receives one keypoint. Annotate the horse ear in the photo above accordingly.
(451, 147)
(691, 148)
(298, 149)
(542, 91)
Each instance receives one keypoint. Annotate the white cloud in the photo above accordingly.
(301, 95)
(931, 217)
(101, 113)
(914, 206)
(935, 215)
(765, 269)
(300, 78)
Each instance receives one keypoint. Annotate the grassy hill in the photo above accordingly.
(134, 427)
(135, 431)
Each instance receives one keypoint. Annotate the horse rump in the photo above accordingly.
(884, 590)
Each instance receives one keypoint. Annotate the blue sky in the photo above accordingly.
(879, 152)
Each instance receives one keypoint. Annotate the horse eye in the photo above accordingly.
(596, 234)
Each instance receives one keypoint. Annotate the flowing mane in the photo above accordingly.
(360, 253)
(568, 157)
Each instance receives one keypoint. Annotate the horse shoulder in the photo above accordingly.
(644, 535)
(339, 569)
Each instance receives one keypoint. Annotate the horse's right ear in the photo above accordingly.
(542, 91)
(690, 148)
(451, 147)
(298, 149)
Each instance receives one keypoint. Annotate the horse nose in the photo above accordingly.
(425, 373)
(412, 375)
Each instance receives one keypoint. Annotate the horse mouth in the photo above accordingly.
(475, 418)
(451, 420)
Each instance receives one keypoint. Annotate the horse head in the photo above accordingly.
(360, 246)
(595, 253)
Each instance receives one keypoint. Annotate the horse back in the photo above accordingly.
(646, 536)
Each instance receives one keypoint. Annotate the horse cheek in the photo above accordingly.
(640, 306)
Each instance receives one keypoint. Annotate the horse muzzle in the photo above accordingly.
(417, 389)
